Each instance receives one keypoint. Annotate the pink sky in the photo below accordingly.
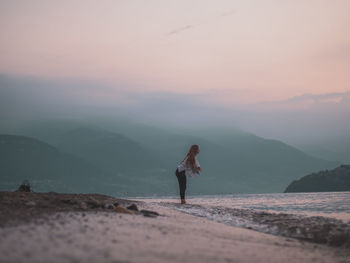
(232, 52)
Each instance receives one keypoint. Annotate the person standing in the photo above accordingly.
(188, 167)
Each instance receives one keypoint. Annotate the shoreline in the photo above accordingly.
(260, 204)
(315, 229)
(97, 234)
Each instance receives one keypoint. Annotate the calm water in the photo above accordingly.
(330, 204)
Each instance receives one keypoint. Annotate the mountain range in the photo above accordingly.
(134, 159)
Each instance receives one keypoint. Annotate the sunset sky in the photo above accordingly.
(226, 52)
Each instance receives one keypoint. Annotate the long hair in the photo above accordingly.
(191, 157)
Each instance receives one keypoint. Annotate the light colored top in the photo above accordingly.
(188, 171)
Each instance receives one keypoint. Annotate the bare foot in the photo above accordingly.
(183, 201)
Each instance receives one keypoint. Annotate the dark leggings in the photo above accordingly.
(181, 177)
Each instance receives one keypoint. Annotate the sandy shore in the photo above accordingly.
(107, 236)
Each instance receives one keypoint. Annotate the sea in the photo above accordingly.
(326, 204)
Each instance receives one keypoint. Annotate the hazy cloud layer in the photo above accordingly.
(179, 30)
(293, 120)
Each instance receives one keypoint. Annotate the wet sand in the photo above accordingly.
(316, 229)
(102, 235)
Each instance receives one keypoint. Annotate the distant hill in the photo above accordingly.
(337, 150)
(334, 180)
(110, 151)
(46, 168)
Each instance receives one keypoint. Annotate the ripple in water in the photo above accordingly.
(329, 204)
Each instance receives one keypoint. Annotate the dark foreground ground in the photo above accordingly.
(22, 207)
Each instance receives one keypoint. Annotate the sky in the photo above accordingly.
(232, 52)
(267, 66)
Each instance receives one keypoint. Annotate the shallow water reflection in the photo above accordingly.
(328, 204)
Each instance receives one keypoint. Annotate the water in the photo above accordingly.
(330, 204)
(316, 217)
(327, 204)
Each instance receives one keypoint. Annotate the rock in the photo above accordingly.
(133, 207)
(31, 203)
(69, 201)
(24, 187)
(108, 206)
(116, 204)
(83, 205)
(93, 203)
(149, 213)
(120, 209)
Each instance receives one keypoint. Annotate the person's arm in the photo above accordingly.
(198, 166)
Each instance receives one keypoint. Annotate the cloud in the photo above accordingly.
(180, 30)
(318, 97)
(304, 102)
(30, 98)
(299, 118)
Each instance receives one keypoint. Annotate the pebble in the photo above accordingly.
(149, 213)
(83, 205)
(109, 206)
(133, 207)
(93, 203)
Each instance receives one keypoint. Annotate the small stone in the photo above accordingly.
(133, 207)
(120, 209)
(69, 201)
(94, 203)
(83, 205)
(108, 206)
(31, 203)
(149, 213)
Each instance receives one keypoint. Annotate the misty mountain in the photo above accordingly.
(243, 162)
(110, 151)
(335, 150)
(146, 156)
(46, 168)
